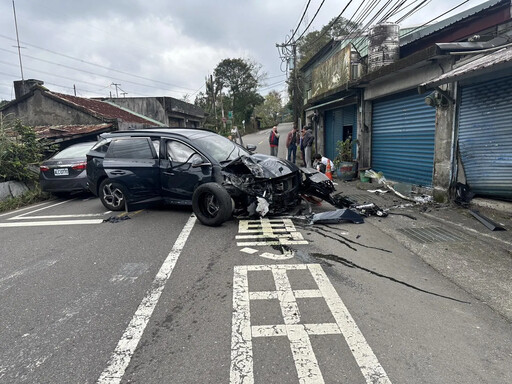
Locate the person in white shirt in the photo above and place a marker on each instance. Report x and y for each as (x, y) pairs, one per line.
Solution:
(320, 163)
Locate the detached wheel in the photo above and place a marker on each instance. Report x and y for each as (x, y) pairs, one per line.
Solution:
(112, 195)
(212, 204)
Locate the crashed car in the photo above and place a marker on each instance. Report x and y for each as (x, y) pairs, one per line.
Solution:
(218, 177)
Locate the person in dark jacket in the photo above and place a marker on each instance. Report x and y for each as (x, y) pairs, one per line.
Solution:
(291, 143)
(273, 140)
(307, 142)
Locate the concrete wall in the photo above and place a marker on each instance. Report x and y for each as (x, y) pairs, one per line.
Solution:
(399, 82)
(147, 106)
(41, 110)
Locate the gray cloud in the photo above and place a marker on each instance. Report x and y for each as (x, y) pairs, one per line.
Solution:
(168, 46)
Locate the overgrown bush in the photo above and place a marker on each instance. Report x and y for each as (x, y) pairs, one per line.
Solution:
(20, 153)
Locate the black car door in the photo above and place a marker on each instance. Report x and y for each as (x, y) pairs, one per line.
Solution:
(133, 162)
(182, 170)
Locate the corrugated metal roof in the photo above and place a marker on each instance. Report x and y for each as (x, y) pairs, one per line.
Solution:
(487, 62)
(428, 30)
(66, 131)
(105, 110)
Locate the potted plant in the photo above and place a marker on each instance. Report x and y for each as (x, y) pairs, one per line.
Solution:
(344, 163)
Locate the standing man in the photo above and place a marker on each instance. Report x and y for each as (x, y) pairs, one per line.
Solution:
(291, 144)
(274, 141)
(308, 143)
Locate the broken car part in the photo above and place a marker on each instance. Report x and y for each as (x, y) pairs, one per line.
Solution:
(486, 221)
(337, 216)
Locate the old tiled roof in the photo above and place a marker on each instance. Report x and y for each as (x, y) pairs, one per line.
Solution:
(68, 131)
(102, 109)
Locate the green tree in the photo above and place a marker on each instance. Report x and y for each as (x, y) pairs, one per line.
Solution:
(270, 111)
(20, 152)
(240, 79)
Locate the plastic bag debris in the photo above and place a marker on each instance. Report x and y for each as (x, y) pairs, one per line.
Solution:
(262, 207)
(337, 216)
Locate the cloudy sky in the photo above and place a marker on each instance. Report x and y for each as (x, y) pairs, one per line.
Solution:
(159, 47)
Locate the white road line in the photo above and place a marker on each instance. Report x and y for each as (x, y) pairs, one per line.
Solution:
(367, 361)
(40, 209)
(61, 216)
(241, 339)
(48, 223)
(298, 334)
(126, 347)
(22, 209)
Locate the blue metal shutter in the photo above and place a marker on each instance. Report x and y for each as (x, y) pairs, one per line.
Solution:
(350, 118)
(333, 131)
(335, 120)
(403, 133)
(485, 137)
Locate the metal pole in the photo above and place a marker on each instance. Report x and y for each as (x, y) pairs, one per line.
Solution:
(18, 40)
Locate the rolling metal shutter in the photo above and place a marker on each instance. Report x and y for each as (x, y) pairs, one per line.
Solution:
(333, 131)
(485, 137)
(403, 133)
(335, 120)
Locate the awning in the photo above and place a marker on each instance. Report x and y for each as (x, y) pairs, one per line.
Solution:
(328, 103)
(500, 59)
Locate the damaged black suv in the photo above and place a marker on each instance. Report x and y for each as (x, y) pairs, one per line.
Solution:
(218, 177)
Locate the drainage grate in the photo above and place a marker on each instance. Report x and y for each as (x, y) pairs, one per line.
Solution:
(430, 235)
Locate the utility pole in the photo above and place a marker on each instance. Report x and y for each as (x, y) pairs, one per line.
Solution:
(74, 88)
(286, 55)
(116, 85)
(17, 39)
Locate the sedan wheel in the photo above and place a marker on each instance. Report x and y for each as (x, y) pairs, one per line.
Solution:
(112, 195)
(212, 204)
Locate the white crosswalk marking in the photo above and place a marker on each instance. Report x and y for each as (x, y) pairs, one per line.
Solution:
(298, 334)
(268, 232)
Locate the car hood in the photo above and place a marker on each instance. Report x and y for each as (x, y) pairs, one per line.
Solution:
(264, 166)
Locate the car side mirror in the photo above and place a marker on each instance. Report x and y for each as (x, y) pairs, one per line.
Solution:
(251, 147)
(197, 161)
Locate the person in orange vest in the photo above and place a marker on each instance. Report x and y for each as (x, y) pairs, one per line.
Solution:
(324, 165)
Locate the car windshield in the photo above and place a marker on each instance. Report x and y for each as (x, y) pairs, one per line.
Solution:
(79, 150)
(221, 148)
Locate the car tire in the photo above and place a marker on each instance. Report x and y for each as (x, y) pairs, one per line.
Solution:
(112, 195)
(212, 204)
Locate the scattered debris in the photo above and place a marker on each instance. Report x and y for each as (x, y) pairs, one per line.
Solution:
(382, 180)
(364, 209)
(337, 216)
(402, 214)
(463, 195)
(378, 191)
(116, 219)
(370, 209)
(486, 221)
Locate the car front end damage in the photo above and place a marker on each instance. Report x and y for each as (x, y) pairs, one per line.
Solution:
(262, 184)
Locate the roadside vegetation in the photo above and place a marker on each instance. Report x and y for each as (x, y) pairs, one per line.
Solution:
(20, 155)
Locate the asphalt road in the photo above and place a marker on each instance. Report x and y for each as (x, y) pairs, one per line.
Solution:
(160, 298)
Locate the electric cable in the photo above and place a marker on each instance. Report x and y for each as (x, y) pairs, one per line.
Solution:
(93, 64)
(298, 24)
(92, 73)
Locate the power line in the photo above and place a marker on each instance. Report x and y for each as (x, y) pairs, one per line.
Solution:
(298, 25)
(90, 73)
(94, 64)
(313, 19)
